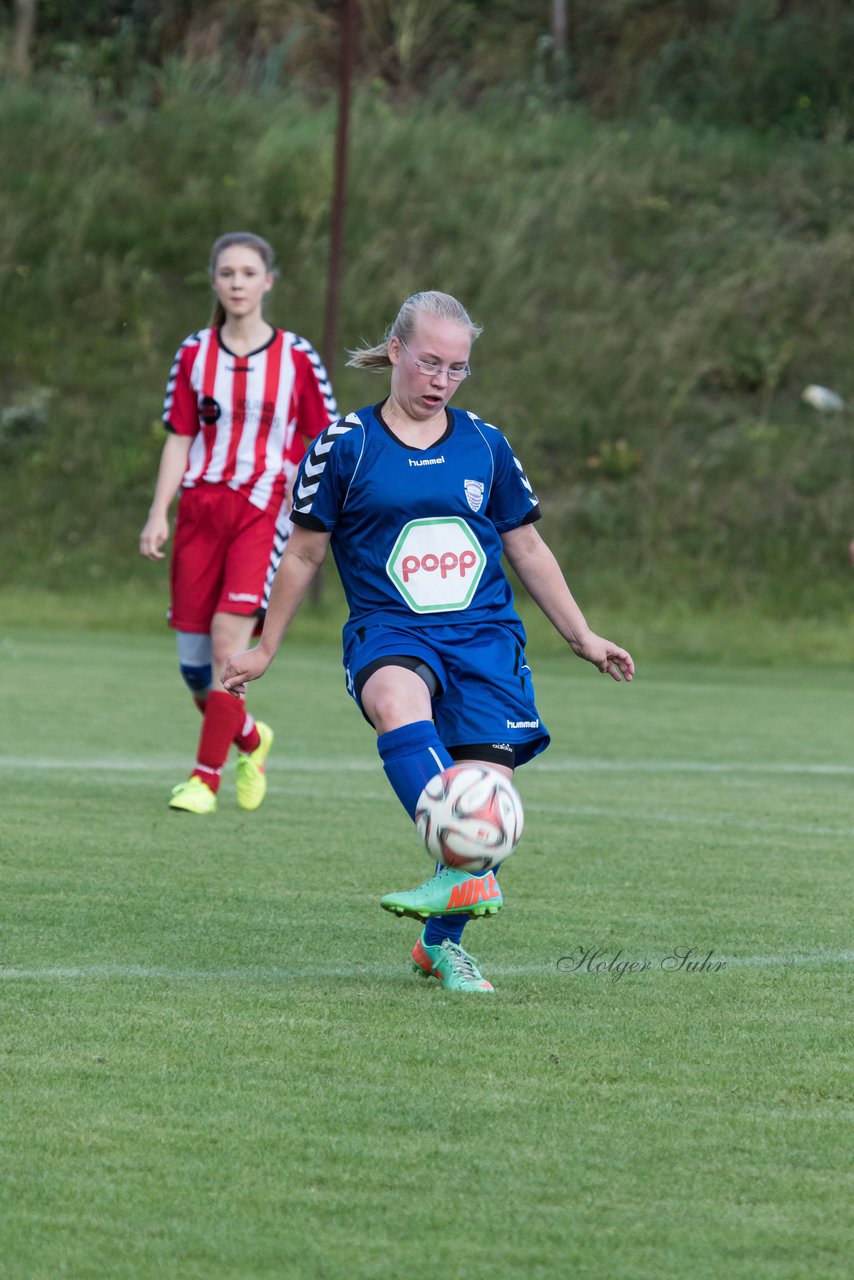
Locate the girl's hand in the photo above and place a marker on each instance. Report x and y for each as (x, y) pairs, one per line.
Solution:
(608, 657)
(153, 536)
(243, 667)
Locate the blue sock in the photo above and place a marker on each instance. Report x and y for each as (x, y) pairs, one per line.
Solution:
(411, 756)
(438, 928)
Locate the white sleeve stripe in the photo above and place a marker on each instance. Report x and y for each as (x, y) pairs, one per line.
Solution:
(488, 450)
(355, 469)
(524, 479)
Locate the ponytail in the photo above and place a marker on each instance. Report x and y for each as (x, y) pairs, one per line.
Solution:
(431, 302)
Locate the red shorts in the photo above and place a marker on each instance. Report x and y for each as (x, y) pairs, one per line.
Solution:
(220, 556)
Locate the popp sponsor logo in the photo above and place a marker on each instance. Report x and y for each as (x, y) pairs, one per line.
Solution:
(436, 564)
(447, 562)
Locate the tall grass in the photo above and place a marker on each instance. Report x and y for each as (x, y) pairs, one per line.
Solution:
(655, 298)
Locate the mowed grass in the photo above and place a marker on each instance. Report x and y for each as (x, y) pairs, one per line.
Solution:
(216, 1062)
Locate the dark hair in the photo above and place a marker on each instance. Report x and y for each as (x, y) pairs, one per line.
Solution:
(432, 303)
(227, 241)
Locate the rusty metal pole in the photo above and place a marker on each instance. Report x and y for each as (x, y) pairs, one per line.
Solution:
(559, 26)
(347, 23)
(560, 47)
(24, 33)
(339, 193)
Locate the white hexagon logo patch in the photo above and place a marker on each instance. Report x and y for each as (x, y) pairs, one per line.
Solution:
(436, 564)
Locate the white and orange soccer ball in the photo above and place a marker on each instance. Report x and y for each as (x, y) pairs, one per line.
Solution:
(470, 817)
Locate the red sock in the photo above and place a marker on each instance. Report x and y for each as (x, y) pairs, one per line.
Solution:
(224, 716)
(248, 739)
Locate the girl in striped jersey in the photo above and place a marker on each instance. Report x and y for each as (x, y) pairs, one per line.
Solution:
(243, 399)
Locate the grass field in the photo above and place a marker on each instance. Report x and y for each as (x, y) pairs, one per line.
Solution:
(216, 1063)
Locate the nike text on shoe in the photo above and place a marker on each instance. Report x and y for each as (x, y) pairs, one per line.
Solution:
(251, 778)
(448, 893)
(193, 796)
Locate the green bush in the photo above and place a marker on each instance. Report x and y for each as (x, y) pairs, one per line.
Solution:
(763, 64)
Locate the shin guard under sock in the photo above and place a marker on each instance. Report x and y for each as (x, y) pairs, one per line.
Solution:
(411, 756)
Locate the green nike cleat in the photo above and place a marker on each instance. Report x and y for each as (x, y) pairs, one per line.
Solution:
(193, 796)
(454, 967)
(448, 893)
(251, 778)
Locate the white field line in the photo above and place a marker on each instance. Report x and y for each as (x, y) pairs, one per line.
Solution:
(709, 822)
(132, 772)
(570, 765)
(370, 764)
(168, 764)
(296, 973)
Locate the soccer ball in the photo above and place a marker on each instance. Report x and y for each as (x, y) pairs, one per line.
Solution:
(470, 817)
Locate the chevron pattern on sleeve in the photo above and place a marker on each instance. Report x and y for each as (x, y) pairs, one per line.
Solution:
(315, 461)
(532, 497)
(193, 340)
(280, 541)
(323, 379)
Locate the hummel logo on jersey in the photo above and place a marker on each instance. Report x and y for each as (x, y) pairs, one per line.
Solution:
(425, 462)
(523, 724)
(474, 493)
(241, 597)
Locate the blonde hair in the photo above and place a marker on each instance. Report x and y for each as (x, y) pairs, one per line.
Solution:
(431, 303)
(228, 241)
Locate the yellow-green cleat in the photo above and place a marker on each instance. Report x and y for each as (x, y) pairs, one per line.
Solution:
(454, 967)
(193, 796)
(251, 778)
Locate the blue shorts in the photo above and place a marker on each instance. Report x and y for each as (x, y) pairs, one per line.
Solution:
(485, 695)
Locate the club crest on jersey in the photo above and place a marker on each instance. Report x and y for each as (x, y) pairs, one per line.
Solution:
(474, 493)
(209, 410)
(436, 564)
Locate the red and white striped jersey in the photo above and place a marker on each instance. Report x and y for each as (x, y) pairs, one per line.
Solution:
(249, 416)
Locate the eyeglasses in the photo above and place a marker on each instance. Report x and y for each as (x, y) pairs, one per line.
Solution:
(433, 370)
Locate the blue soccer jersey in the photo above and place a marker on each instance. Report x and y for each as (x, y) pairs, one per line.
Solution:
(416, 534)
